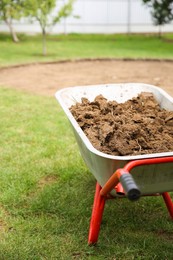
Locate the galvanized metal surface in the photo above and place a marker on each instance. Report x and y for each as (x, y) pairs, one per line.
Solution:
(150, 179)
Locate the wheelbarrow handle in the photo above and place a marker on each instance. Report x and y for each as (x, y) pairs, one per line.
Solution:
(130, 187)
(128, 183)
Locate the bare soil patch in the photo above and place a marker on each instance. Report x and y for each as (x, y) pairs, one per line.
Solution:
(47, 180)
(46, 79)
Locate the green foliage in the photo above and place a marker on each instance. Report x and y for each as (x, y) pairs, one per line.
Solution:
(162, 11)
(65, 11)
(42, 11)
(9, 10)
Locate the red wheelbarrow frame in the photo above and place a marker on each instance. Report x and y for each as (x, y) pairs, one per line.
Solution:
(117, 179)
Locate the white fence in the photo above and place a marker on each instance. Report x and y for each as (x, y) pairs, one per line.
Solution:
(100, 16)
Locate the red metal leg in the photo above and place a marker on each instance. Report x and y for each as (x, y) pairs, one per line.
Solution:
(168, 202)
(96, 217)
(102, 193)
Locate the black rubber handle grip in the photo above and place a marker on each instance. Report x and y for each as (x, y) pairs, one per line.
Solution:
(131, 189)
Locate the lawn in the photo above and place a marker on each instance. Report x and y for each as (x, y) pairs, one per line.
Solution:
(46, 189)
(75, 46)
(47, 193)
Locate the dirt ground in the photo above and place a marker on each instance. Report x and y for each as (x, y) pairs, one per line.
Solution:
(46, 79)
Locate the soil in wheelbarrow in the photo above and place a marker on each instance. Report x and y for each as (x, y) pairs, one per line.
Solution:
(138, 126)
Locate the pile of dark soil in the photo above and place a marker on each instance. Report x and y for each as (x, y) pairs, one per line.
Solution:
(138, 126)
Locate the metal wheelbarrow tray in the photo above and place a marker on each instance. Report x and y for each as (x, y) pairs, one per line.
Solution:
(152, 173)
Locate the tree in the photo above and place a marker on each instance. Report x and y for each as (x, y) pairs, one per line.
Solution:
(162, 11)
(42, 11)
(9, 10)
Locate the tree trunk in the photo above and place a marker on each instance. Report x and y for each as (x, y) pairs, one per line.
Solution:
(160, 31)
(12, 32)
(44, 41)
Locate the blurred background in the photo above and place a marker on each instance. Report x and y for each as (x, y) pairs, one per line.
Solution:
(97, 16)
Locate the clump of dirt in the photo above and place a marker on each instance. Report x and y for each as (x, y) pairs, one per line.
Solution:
(138, 126)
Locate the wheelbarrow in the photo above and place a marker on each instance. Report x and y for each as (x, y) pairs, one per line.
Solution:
(120, 176)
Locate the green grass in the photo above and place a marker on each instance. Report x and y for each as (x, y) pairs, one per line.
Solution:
(73, 46)
(47, 193)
